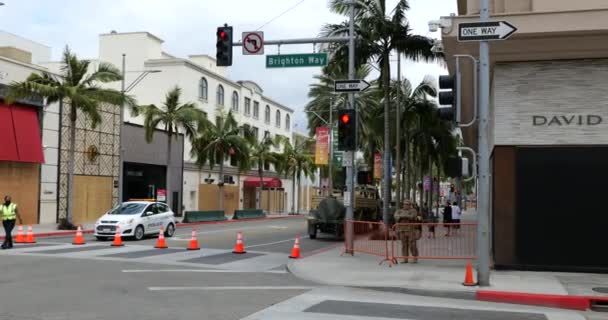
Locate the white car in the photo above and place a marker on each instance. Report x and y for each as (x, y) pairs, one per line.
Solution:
(136, 219)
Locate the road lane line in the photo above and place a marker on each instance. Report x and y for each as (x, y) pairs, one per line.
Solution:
(201, 271)
(219, 231)
(271, 243)
(229, 288)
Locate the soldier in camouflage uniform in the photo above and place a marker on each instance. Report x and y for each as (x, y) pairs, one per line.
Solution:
(408, 234)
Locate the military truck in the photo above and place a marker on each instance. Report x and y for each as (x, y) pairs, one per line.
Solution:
(328, 212)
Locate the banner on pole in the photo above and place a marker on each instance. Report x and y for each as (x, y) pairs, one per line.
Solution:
(322, 145)
(427, 183)
(377, 166)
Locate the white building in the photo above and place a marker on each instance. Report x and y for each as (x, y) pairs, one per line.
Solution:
(29, 135)
(209, 87)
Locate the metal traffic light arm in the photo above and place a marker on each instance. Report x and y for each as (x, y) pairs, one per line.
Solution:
(458, 94)
(474, 175)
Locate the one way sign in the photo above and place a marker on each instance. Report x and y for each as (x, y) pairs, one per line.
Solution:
(483, 31)
(350, 85)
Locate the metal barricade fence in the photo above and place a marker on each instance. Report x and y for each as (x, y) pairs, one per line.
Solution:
(455, 241)
(369, 238)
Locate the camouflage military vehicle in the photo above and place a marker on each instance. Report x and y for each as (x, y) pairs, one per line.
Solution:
(328, 212)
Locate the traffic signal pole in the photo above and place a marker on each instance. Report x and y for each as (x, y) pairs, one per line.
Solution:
(349, 195)
(350, 180)
(483, 197)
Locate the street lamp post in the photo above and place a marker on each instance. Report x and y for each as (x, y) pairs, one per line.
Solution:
(124, 89)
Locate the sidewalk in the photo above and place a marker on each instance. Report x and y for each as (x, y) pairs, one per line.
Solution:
(442, 278)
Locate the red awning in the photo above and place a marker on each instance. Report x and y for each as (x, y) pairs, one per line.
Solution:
(254, 182)
(20, 134)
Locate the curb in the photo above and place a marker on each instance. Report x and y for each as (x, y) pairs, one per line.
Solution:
(178, 225)
(581, 303)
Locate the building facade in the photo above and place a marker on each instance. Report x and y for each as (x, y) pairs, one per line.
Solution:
(29, 135)
(548, 124)
(214, 93)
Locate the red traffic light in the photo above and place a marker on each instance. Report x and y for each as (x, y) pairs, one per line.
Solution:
(222, 35)
(345, 118)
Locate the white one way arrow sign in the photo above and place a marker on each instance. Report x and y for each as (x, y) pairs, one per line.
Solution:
(350, 85)
(483, 31)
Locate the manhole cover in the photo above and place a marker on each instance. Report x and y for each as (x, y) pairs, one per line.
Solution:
(601, 290)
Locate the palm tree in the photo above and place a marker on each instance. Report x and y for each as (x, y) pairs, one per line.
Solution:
(296, 160)
(216, 143)
(379, 35)
(260, 153)
(78, 87)
(172, 116)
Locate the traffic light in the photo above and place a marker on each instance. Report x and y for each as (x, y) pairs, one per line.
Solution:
(347, 130)
(365, 177)
(449, 98)
(457, 167)
(224, 46)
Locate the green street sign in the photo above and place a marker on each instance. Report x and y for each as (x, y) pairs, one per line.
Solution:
(296, 60)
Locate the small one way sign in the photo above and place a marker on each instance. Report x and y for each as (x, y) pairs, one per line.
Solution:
(484, 31)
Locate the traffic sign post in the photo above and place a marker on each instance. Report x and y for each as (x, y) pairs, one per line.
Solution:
(253, 42)
(350, 85)
(484, 31)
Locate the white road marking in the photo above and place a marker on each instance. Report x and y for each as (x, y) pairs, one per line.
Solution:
(230, 288)
(200, 271)
(188, 234)
(271, 243)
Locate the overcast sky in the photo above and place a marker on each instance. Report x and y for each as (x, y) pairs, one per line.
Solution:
(188, 27)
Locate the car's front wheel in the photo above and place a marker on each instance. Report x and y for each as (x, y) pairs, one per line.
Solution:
(139, 233)
(170, 230)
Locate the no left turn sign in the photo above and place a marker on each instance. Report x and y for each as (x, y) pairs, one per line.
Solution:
(253, 42)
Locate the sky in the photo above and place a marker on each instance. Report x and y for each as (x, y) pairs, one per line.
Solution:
(188, 27)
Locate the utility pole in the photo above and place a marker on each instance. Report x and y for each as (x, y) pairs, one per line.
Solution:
(350, 180)
(398, 134)
(483, 198)
(121, 149)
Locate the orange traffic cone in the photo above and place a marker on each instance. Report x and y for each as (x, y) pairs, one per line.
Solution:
(468, 276)
(20, 238)
(78, 239)
(239, 248)
(295, 252)
(117, 238)
(29, 237)
(193, 241)
(160, 243)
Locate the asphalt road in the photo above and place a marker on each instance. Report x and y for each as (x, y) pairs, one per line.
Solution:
(56, 280)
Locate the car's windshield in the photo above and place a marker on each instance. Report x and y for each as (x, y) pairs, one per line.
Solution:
(128, 208)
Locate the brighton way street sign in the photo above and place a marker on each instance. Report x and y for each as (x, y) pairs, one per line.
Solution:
(484, 31)
(296, 60)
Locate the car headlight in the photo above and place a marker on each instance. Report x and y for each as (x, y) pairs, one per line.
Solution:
(128, 222)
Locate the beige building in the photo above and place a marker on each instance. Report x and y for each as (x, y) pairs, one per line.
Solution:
(548, 129)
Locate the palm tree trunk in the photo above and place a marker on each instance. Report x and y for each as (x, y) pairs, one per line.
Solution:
(407, 165)
(431, 185)
(293, 193)
(70, 199)
(387, 144)
(261, 173)
(221, 185)
(398, 135)
(421, 189)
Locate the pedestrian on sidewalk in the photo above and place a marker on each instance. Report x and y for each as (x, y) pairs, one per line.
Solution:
(456, 212)
(447, 217)
(408, 234)
(9, 214)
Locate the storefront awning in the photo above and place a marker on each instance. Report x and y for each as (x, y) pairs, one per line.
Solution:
(20, 134)
(254, 182)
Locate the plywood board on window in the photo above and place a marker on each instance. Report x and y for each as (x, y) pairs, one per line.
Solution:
(21, 180)
(92, 197)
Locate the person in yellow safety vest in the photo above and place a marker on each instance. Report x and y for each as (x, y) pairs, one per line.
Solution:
(9, 213)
